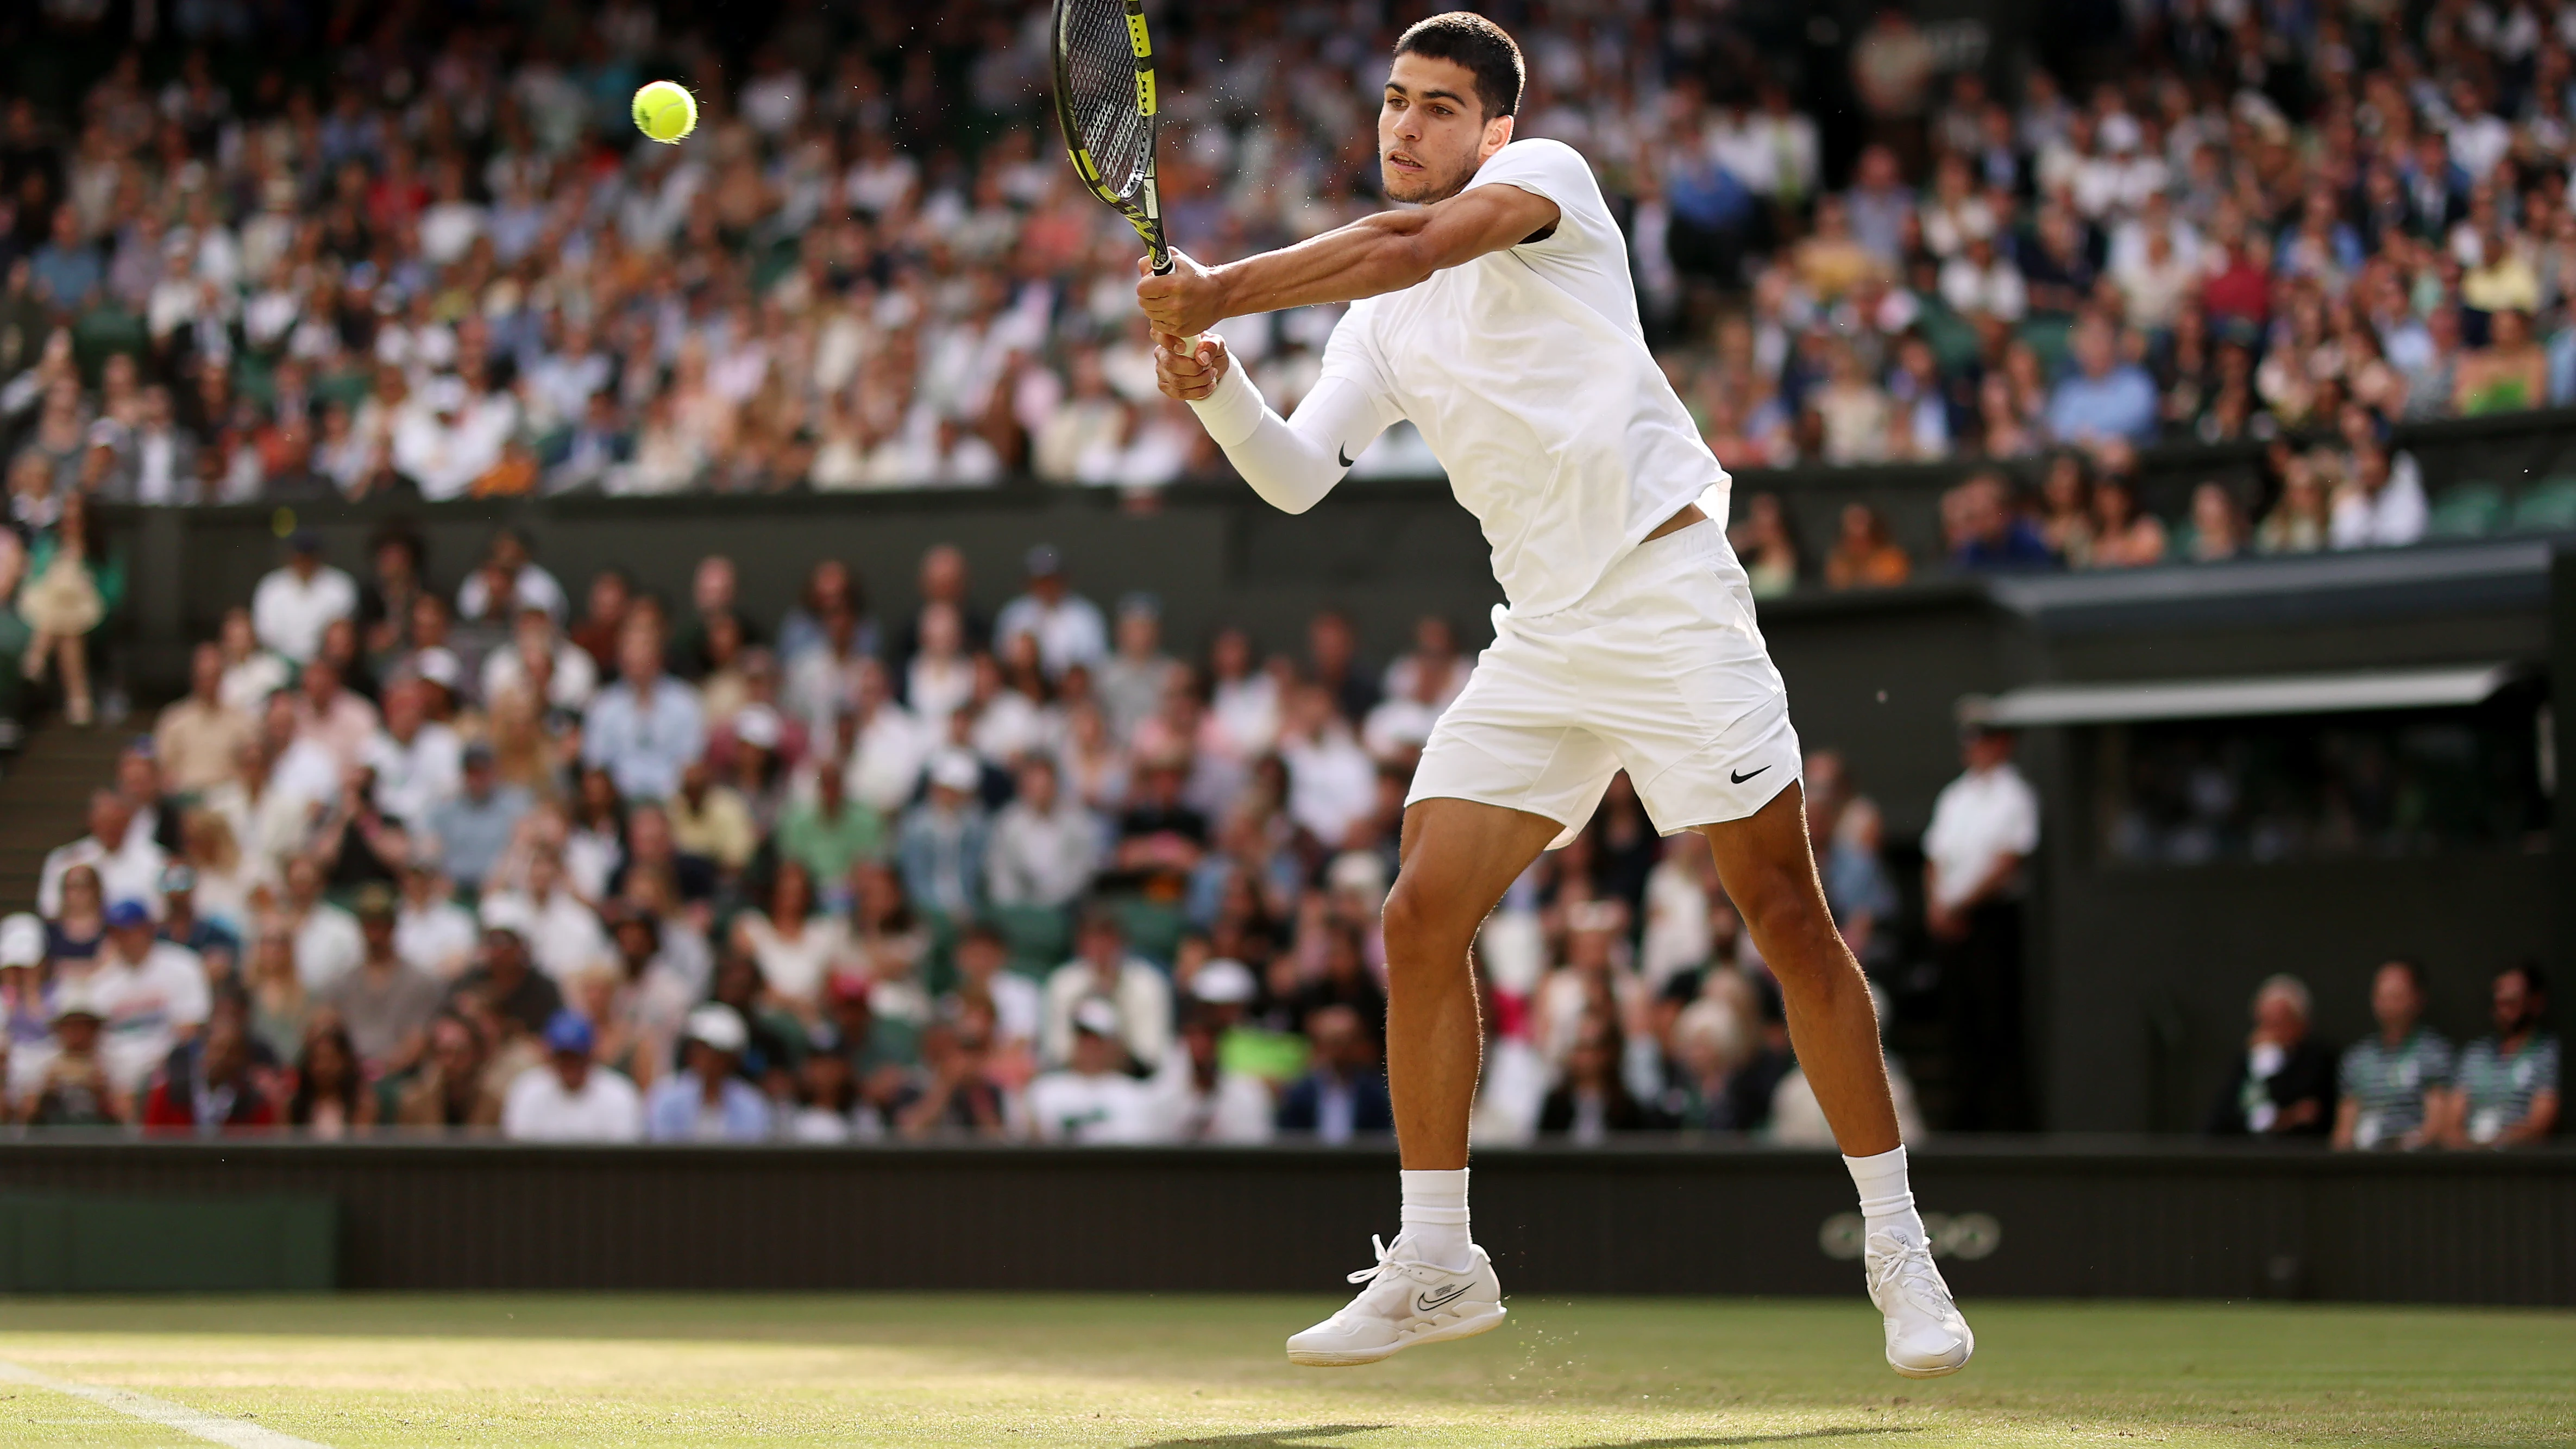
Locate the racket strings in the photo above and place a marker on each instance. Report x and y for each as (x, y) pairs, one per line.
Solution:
(1100, 85)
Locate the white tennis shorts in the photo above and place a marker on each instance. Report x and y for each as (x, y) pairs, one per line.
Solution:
(1659, 671)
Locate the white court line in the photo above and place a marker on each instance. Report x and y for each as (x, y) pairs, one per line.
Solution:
(213, 1428)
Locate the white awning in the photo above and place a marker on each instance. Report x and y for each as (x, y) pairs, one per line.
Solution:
(2085, 704)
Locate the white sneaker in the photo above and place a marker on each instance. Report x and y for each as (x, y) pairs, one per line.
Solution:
(1926, 1336)
(1407, 1301)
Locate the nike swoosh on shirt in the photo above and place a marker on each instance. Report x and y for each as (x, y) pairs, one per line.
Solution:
(1425, 1303)
(1343, 452)
(1747, 775)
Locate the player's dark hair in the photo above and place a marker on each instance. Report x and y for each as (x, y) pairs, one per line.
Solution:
(1481, 46)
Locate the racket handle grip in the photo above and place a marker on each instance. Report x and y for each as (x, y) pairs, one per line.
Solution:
(1163, 268)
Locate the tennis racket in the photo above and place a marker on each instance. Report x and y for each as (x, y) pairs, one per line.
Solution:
(1105, 100)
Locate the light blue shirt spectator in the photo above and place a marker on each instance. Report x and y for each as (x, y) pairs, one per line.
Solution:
(2103, 397)
(473, 828)
(678, 1111)
(644, 733)
(66, 271)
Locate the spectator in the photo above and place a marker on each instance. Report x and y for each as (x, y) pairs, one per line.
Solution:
(1985, 824)
(337, 720)
(706, 1101)
(562, 932)
(128, 865)
(2104, 398)
(2123, 537)
(432, 933)
(197, 739)
(1131, 683)
(645, 728)
(795, 948)
(504, 977)
(570, 1098)
(1103, 970)
(2507, 1091)
(67, 589)
(1093, 1098)
(1984, 531)
(449, 1088)
(831, 832)
(150, 993)
(294, 604)
(71, 1085)
(328, 943)
(208, 1088)
(1590, 1101)
(710, 820)
(1766, 546)
(2377, 507)
(252, 671)
(329, 1099)
(957, 1095)
(943, 841)
(1045, 846)
(1864, 556)
(386, 1003)
(2285, 1084)
(419, 763)
(2396, 1082)
(1067, 626)
(1344, 1096)
(476, 825)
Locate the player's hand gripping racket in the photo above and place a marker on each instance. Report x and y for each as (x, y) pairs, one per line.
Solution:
(1106, 102)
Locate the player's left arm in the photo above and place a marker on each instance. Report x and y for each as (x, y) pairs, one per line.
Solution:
(1387, 252)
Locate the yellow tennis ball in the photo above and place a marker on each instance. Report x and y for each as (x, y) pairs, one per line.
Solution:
(665, 111)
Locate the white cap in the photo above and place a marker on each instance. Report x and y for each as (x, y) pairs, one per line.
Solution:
(719, 1026)
(757, 725)
(1357, 870)
(441, 667)
(1224, 982)
(22, 941)
(955, 770)
(508, 913)
(1097, 1017)
(73, 997)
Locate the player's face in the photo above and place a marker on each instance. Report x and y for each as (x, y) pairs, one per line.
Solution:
(1432, 133)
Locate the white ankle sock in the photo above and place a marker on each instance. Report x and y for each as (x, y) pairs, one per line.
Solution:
(1886, 1203)
(1435, 1215)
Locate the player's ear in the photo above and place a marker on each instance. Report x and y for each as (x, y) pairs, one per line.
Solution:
(1498, 134)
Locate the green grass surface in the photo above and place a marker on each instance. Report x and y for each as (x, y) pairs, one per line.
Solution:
(1140, 1371)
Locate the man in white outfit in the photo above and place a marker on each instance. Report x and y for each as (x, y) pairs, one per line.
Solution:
(1497, 314)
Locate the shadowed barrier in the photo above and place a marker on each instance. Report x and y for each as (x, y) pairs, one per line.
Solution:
(2036, 1218)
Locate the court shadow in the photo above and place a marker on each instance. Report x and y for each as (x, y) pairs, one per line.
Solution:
(1267, 1438)
(1707, 1441)
(1299, 1438)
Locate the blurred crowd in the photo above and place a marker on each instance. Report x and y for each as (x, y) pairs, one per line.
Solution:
(2405, 1086)
(293, 252)
(610, 864)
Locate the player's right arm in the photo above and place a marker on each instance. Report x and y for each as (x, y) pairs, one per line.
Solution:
(1291, 462)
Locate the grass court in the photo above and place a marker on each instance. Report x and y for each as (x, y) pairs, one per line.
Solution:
(1140, 1371)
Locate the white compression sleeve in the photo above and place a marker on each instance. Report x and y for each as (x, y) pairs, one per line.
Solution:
(1291, 462)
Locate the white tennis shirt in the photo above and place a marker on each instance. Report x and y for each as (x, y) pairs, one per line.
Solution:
(1527, 372)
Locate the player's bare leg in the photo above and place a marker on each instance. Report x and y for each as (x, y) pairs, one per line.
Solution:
(1765, 864)
(1432, 1284)
(1457, 857)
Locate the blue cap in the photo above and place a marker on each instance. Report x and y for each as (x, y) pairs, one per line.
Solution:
(569, 1031)
(128, 913)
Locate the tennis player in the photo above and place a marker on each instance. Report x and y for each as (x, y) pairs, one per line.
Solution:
(1496, 312)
